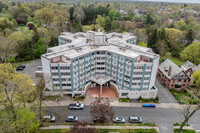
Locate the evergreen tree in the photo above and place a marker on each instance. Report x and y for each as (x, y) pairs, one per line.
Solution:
(189, 37)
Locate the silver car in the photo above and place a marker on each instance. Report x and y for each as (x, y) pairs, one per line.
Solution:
(71, 119)
(49, 118)
(135, 119)
(119, 120)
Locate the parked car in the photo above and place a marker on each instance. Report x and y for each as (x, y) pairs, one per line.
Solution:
(23, 66)
(135, 119)
(19, 68)
(49, 118)
(76, 106)
(119, 120)
(98, 120)
(71, 119)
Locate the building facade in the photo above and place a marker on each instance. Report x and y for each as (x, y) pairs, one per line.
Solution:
(82, 57)
(172, 76)
(190, 68)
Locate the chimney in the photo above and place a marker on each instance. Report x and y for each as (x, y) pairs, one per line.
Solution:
(170, 70)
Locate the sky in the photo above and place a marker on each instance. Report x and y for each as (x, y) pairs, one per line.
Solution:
(173, 1)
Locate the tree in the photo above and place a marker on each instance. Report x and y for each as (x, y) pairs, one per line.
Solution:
(82, 127)
(142, 44)
(181, 25)
(44, 16)
(30, 25)
(15, 87)
(103, 111)
(189, 111)
(78, 14)
(189, 37)
(192, 53)
(101, 20)
(149, 19)
(7, 47)
(111, 14)
(39, 49)
(26, 121)
(161, 47)
(196, 77)
(108, 24)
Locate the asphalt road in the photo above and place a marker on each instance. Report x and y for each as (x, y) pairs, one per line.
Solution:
(164, 94)
(165, 118)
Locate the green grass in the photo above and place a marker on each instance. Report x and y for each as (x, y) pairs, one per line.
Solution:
(20, 63)
(54, 131)
(179, 124)
(177, 61)
(128, 130)
(181, 97)
(52, 98)
(185, 131)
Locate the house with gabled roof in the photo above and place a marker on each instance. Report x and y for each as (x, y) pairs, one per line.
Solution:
(172, 75)
(190, 68)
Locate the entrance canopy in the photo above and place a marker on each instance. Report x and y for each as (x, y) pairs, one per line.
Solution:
(100, 79)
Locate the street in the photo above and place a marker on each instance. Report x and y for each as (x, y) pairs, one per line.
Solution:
(165, 118)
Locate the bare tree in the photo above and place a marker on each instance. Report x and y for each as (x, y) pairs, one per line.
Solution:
(189, 111)
(102, 111)
(82, 127)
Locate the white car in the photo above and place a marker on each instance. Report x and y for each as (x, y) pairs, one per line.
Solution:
(49, 118)
(76, 106)
(119, 120)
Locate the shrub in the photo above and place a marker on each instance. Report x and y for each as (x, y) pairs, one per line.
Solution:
(124, 100)
(30, 25)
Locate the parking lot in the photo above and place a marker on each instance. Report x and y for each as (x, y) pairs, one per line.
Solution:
(31, 68)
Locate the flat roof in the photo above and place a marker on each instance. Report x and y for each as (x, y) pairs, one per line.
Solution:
(100, 79)
(116, 44)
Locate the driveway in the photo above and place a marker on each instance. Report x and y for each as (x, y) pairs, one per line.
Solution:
(164, 94)
(30, 69)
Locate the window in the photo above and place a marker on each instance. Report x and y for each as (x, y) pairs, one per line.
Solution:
(64, 67)
(54, 68)
(124, 94)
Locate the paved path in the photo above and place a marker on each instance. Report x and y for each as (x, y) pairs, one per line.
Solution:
(164, 94)
(113, 103)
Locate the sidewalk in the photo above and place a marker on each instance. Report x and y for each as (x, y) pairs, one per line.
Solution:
(114, 103)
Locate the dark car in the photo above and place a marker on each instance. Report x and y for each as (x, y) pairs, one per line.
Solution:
(19, 68)
(71, 119)
(23, 66)
(135, 119)
(98, 120)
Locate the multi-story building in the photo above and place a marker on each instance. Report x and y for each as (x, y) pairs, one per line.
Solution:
(85, 60)
(172, 75)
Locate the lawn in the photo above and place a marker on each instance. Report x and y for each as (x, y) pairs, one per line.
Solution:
(177, 61)
(183, 97)
(185, 131)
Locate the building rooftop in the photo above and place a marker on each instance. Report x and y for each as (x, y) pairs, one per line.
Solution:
(116, 43)
(165, 68)
(187, 65)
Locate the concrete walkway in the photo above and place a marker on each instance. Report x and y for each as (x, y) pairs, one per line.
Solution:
(113, 103)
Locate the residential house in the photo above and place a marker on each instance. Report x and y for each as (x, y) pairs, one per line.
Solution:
(190, 68)
(172, 75)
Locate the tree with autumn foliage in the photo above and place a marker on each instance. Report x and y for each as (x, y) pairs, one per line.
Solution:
(82, 127)
(101, 110)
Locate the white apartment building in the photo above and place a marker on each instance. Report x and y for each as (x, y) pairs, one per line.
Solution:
(86, 60)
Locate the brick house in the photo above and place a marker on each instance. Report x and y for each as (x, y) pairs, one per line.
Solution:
(190, 68)
(172, 75)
